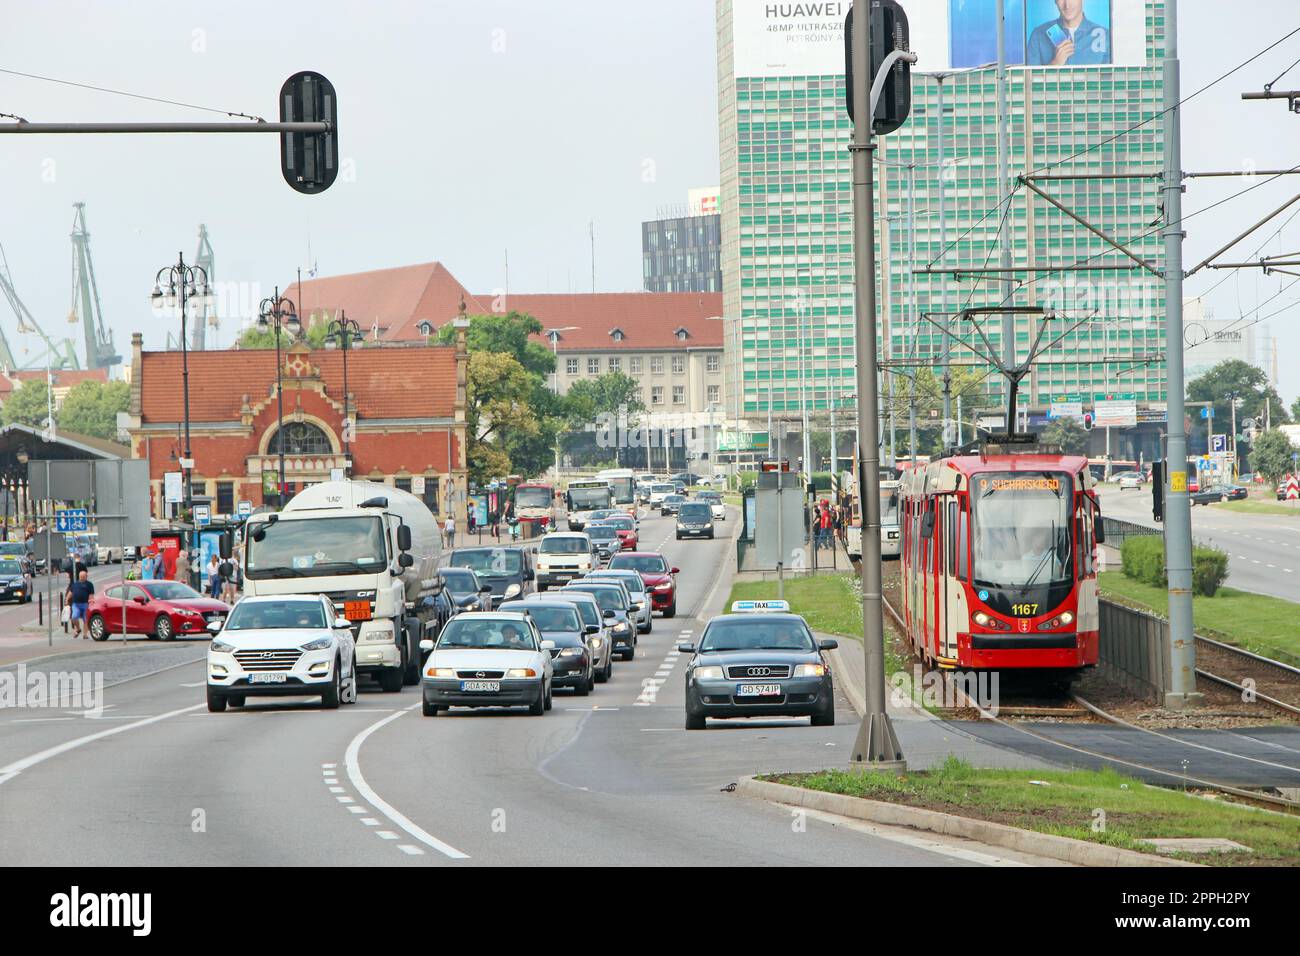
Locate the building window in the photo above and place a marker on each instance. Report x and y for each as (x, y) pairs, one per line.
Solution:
(301, 438)
(679, 394)
(657, 364)
(715, 394)
(426, 327)
(617, 335)
(225, 498)
(571, 366)
(634, 365)
(712, 363)
(431, 493)
(679, 364)
(402, 484)
(656, 395)
(615, 363)
(593, 366)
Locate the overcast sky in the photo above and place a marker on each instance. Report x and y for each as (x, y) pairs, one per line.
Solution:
(469, 129)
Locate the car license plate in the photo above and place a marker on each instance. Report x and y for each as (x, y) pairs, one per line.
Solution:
(758, 690)
(480, 686)
(267, 678)
(356, 610)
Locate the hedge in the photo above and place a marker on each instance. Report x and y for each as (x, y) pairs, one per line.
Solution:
(1143, 559)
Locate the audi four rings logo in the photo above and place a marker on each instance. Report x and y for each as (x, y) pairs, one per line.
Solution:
(759, 671)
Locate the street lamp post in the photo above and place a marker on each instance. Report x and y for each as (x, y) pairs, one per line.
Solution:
(344, 333)
(183, 284)
(278, 312)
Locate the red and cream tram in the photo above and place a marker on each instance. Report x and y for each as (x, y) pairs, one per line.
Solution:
(998, 561)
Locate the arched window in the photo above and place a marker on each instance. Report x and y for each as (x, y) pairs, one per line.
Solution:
(301, 438)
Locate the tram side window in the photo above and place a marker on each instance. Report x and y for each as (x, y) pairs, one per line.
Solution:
(950, 528)
(962, 531)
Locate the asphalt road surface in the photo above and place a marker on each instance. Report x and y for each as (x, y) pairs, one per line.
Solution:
(1263, 550)
(608, 779)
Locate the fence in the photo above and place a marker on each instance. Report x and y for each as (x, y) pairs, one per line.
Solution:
(1118, 531)
(1133, 650)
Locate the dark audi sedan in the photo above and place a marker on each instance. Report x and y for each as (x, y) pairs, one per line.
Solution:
(758, 661)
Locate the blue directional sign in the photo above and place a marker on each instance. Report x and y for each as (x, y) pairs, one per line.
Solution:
(1207, 411)
(72, 519)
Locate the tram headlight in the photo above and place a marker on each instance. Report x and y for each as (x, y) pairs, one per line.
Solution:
(989, 621)
(1064, 619)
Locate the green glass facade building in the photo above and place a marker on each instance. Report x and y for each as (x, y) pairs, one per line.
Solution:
(787, 225)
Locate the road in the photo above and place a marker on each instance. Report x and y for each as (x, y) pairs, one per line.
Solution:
(1263, 551)
(608, 779)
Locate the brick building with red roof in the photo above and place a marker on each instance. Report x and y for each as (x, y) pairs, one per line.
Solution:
(407, 405)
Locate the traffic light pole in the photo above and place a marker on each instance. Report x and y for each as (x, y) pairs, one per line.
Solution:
(877, 745)
(1178, 515)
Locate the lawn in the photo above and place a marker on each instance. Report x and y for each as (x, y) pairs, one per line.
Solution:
(1071, 803)
(830, 602)
(1265, 625)
(1289, 508)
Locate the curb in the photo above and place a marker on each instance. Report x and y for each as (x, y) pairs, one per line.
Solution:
(850, 687)
(1066, 849)
(81, 651)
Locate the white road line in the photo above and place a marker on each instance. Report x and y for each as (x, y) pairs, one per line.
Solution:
(351, 761)
(357, 810)
(370, 821)
(328, 766)
(197, 683)
(410, 850)
(340, 789)
(12, 770)
(386, 834)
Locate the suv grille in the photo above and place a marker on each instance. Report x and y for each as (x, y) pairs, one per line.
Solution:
(747, 671)
(269, 660)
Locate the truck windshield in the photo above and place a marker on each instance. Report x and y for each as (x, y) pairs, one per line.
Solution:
(1021, 528)
(589, 499)
(532, 498)
(307, 547)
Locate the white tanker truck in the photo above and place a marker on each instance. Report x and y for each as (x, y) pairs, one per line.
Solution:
(372, 549)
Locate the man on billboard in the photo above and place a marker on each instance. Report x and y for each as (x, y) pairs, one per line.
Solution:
(1071, 38)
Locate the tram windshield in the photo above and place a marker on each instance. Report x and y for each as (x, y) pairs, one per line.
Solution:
(1021, 528)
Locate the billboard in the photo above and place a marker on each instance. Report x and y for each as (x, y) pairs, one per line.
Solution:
(774, 38)
(1116, 413)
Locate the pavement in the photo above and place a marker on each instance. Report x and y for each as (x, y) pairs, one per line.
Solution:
(614, 778)
(1263, 550)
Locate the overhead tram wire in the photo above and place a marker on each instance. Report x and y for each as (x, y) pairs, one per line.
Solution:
(1155, 116)
(137, 96)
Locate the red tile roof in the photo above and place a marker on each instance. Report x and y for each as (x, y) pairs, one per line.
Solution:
(397, 300)
(649, 320)
(394, 383)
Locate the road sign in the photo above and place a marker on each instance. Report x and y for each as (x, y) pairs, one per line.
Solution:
(1207, 411)
(309, 161)
(1218, 443)
(72, 519)
(173, 492)
(417, 486)
(202, 516)
(244, 508)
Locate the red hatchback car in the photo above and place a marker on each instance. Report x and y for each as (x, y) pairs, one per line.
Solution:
(657, 573)
(625, 528)
(162, 609)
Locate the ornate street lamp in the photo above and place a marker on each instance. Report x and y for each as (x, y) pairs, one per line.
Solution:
(183, 285)
(279, 313)
(344, 333)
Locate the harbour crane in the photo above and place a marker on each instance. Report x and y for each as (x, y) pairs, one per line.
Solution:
(100, 350)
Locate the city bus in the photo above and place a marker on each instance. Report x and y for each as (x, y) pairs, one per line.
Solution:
(535, 504)
(622, 482)
(585, 495)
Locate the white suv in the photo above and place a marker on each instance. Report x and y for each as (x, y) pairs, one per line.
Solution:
(563, 556)
(283, 645)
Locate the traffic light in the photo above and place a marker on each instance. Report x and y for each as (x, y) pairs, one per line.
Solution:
(889, 32)
(1087, 420)
(309, 161)
(1158, 490)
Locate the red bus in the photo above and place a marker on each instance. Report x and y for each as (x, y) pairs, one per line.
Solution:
(998, 562)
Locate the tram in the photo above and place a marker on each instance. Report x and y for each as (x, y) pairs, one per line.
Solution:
(998, 560)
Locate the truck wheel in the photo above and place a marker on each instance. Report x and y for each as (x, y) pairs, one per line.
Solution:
(411, 673)
(390, 680)
(216, 703)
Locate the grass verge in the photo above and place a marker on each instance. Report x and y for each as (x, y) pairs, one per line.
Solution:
(1259, 623)
(1290, 509)
(1071, 803)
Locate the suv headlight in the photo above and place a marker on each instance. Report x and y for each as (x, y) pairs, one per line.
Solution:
(620, 626)
(810, 670)
(320, 644)
(708, 673)
(571, 652)
(221, 647)
(512, 590)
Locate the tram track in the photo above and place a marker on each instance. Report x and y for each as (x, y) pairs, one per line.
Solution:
(1083, 709)
(1271, 682)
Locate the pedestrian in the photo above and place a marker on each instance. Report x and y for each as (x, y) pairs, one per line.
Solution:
(78, 597)
(227, 572)
(213, 571)
(449, 532)
(183, 566)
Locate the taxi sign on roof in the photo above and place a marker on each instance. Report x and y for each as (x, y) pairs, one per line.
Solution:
(760, 607)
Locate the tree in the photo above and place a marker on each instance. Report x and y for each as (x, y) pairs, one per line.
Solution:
(499, 395)
(1069, 433)
(613, 393)
(254, 338)
(1271, 455)
(91, 408)
(508, 333)
(28, 404)
(1248, 383)
(1295, 409)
